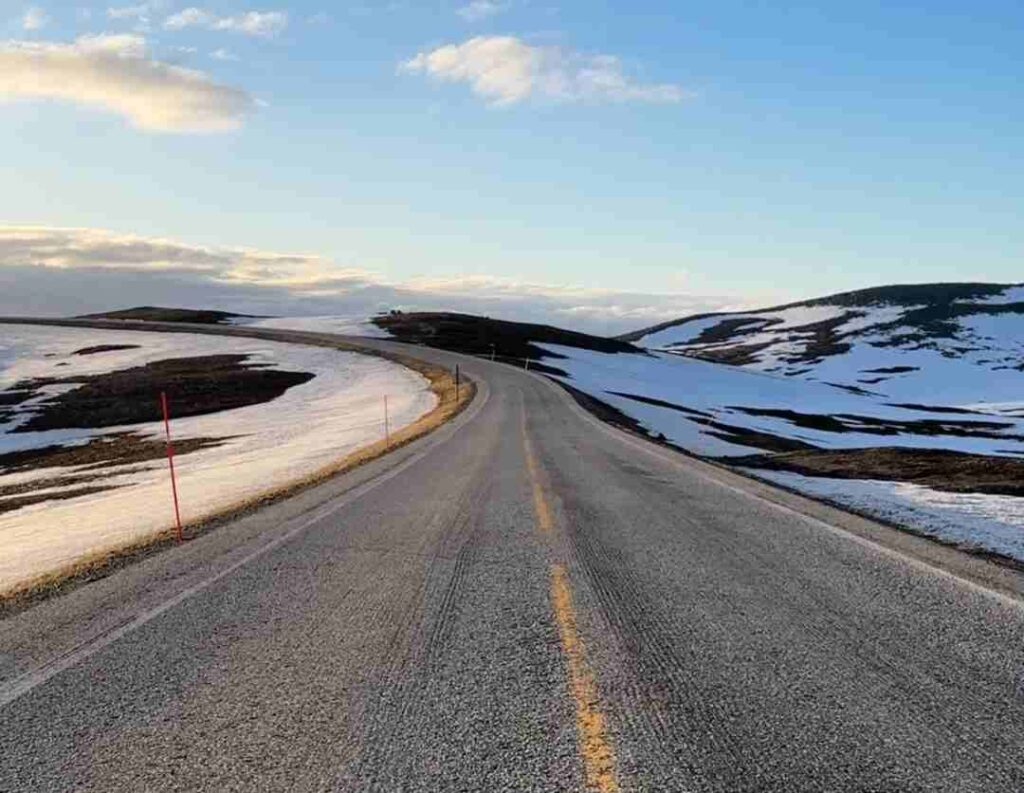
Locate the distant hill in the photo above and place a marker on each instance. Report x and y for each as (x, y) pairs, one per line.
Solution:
(507, 341)
(162, 314)
(963, 340)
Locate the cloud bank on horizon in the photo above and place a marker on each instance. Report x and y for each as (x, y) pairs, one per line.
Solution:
(61, 271)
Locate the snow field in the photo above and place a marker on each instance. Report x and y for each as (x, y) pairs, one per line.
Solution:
(275, 443)
(993, 523)
(345, 325)
(972, 520)
(719, 390)
(979, 363)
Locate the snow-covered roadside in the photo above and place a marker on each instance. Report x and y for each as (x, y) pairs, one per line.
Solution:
(705, 408)
(751, 401)
(971, 520)
(281, 441)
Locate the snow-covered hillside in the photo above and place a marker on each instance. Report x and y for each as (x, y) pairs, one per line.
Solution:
(749, 417)
(955, 345)
(724, 411)
(80, 497)
(905, 402)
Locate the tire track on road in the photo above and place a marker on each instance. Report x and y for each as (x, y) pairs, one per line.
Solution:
(595, 747)
(423, 622)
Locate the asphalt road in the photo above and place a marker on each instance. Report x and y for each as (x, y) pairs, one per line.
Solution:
(526, 600)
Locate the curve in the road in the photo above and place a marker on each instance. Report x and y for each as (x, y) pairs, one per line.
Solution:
(529, 600)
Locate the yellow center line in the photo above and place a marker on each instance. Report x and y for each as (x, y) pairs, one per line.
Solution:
(594, 745)
(540, 503)
(598, 756)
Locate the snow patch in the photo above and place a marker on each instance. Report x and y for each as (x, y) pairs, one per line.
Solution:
(973, 520)
(284, 440)
(959, 356)
(724, 394)
(1015, 294)
(712, 410)
(344, 325)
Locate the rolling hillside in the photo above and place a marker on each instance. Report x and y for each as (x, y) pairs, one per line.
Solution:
(957, 345)
(905, 403)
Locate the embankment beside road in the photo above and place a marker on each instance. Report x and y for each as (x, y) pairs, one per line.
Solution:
(101, 561)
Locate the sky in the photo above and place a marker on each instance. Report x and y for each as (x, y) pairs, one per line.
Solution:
(598, 165)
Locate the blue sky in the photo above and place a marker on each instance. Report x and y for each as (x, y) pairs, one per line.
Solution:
(704, 156)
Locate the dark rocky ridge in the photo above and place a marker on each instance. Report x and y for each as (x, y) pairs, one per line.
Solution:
(513, 342)
(163, 314)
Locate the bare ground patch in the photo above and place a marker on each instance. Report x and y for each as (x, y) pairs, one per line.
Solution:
(118, 448)
(873, 425)
(93, 462)
(100, 348)
(940, 469)
(196, 386)
(18, 502)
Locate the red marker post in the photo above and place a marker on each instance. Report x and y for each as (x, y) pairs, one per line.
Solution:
(170, 462)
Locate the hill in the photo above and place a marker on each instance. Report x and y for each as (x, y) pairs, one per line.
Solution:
(512, 342)
(163, 314)
(962, 343)
(905, 403)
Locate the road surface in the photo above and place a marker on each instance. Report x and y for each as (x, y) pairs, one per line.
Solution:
(526, 600)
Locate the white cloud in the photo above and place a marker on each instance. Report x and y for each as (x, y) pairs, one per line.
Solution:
(115, 73)
(480, 9)
(506, 70)
(129, 12)
(141, 14)
(251, 23)
(223, 55)
(47, 270)
(34, 19)
(189, 17)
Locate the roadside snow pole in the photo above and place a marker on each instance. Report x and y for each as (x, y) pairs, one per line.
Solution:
(492, 353)
(170, 463)
(527, 367)
(387, 428)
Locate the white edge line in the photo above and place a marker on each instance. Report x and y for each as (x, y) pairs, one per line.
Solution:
(27, 681)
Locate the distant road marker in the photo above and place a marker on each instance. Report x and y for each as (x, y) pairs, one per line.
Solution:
(170, 462)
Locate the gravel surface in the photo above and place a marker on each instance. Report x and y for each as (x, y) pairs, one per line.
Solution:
(392, 630)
